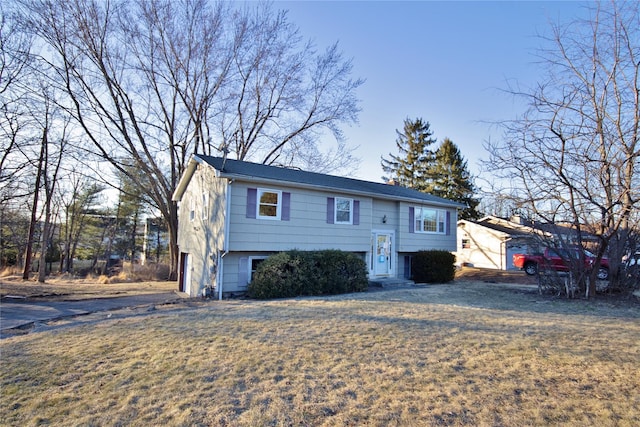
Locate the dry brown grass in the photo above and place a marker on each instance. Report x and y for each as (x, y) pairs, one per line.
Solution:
(439, 355)
(69, 288)
(130, 280)
(494, 276)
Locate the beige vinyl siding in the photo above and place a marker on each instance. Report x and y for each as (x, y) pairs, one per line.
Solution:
(382, 208)
(231, 273)
(307, 228)
(202, 236)
(231, 279)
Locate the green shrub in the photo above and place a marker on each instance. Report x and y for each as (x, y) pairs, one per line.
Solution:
(433, 266)
(296, 273)
(340, 272)
(279, 276)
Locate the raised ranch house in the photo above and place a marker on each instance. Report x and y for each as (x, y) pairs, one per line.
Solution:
(233, 214)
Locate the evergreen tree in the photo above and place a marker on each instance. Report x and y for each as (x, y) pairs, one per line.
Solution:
(448, 177)
(410, 166)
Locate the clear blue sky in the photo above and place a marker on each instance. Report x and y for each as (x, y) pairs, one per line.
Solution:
(445, 62)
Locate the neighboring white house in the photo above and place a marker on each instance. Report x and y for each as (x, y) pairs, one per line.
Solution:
(233, 214)
(491, 242)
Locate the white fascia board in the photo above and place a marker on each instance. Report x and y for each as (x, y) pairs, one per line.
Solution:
(185, 178)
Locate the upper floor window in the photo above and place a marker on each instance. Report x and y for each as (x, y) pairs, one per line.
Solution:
(343, 211)
(429, 220)
(263, 203)
(269, 204)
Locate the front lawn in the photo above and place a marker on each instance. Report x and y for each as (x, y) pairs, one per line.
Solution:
(410, 357)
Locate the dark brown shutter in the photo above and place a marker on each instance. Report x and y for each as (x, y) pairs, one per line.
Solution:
(286, 206)
(331, 204)
(356, 212)
(412, 220)
(252, 196)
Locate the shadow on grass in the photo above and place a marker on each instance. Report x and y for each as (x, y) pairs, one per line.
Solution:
(503, 297)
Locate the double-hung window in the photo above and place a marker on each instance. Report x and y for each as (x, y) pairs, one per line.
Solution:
(269, 204)
(429, 220)
(263, 203)
(344, 211)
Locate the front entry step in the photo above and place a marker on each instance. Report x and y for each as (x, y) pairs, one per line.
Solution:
(390, 283)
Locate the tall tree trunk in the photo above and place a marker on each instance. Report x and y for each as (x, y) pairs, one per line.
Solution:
(132, 241)
(172, 226)
(42, 266)
(34, 211)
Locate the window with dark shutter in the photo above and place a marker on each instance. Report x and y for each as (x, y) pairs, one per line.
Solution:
(429, 220)
(448, 223)
(252, 196)
(243, 271)
(286, 206)
(330, 209)
(356, 212)
(412, 220)
(341, 210)
(268, 204)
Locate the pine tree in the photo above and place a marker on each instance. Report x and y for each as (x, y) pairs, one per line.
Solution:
(448, 177)
(410, 166)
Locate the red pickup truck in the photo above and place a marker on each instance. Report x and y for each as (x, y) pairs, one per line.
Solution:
(555, 259)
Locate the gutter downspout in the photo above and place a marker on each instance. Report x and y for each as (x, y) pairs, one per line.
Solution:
(225, 243)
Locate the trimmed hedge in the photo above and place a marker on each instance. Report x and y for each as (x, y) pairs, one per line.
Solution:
(297, 273)
(433, 266)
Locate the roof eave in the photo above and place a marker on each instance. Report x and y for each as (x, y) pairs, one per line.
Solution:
(194, 161)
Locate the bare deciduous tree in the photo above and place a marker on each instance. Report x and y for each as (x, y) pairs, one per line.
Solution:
(52, 145)
(574, 155)
(14, 105)
(281, 95)
(155, 81)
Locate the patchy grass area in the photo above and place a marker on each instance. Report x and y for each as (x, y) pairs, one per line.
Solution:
(66, 287)
(494, 276)
(459, 354)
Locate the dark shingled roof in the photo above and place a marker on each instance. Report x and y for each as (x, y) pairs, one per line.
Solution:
(506, 227)
(238, 169)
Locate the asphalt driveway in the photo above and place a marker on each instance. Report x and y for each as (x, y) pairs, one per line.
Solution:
(17, 312)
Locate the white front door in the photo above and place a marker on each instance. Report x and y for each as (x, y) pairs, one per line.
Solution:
(382, 252)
